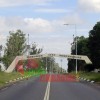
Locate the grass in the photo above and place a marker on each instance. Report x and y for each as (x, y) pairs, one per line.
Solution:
(35, 72)
(4, 77)
(90, 75)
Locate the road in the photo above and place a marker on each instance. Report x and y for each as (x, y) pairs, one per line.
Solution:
(37, 89)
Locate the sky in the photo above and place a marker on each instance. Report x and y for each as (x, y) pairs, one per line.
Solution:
(44, 21)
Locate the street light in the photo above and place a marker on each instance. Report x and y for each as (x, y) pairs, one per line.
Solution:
(61, 65)
(28, 46)
(75, 42)
(46, 66)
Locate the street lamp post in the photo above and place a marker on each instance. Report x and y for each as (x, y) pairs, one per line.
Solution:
(28, 46)
(50, 66)
(61, 65)
(75, 42)
(46, 66)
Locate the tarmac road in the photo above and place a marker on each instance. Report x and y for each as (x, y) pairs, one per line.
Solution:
(35, 89)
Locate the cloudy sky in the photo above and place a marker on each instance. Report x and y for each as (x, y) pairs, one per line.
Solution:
(44, 20)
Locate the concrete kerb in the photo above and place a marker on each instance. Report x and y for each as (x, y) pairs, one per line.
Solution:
(17, 79)
(88, 80)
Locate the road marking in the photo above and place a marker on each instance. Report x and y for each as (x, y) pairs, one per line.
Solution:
(47, 93)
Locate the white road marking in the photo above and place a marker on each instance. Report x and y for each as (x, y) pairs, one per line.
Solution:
(47, 93)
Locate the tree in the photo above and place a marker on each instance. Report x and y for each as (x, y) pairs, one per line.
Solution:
(94, 45)
(82, 49)
(32, 62)
(14, 46)
(71, 65)
(50, 61)
(0, 67)
(35, 50)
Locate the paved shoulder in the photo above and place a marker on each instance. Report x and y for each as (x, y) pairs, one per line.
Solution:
(73, 91)
(31, 89)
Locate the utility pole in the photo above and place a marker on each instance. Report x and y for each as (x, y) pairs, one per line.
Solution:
(75, 42)
(61, 65)
(28, 46)
(46, 66)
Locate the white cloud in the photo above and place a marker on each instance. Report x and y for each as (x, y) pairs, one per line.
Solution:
(90, 5)
(2, 39)
(50, 30)
(7, 3)
(55, 45)
(30, 25)
(45, 10)
(37, 25)
(73, 19)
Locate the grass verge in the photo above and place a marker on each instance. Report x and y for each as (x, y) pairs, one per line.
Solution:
(4, 77)
(90, 75)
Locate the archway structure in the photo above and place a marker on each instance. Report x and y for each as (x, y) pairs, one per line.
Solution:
(16, 60)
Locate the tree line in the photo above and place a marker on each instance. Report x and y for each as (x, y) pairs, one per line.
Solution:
(16, 45)
(89, 46)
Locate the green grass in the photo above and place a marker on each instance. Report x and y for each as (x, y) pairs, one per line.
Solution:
(35, 72)
(4, 77)
(90, 75)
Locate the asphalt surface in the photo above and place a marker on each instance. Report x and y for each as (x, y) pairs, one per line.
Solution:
(31, 89)
(73, 91)
(35, 89)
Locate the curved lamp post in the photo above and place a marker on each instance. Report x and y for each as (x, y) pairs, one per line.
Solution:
(75, 42)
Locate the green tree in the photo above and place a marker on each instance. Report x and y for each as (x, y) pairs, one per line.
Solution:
(94, 45)
(14, 46)
(35, 50)
(50, 61)
(71, 65)
(82, 49)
